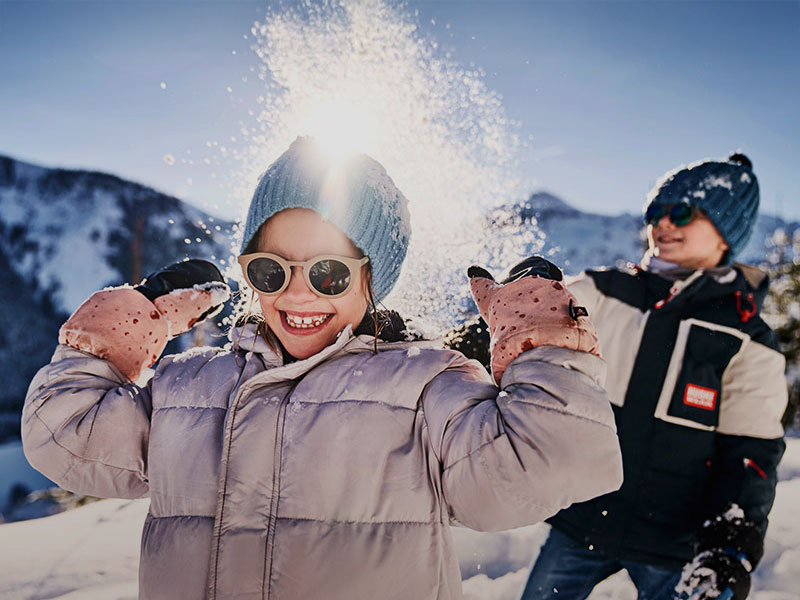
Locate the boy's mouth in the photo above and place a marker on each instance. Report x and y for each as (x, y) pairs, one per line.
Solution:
(304, 323)
(668, 239)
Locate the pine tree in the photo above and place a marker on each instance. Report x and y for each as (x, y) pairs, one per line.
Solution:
(782, 311)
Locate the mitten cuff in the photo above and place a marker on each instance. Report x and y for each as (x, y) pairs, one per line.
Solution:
(119, 325)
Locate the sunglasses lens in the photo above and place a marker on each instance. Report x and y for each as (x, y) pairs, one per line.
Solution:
(654, 214)
(330, 277)
(266, 275)
(681, 214)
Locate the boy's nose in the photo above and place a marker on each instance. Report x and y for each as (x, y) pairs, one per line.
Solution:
(665, 223)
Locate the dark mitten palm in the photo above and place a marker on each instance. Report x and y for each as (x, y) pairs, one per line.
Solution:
(714, 575)
(179, 275)
(534, 266)
(186, 292)
(731, 530)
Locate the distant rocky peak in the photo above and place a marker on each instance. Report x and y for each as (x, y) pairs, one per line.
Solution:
(545, 201)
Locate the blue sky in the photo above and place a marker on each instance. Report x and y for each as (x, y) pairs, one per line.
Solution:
(609, 94)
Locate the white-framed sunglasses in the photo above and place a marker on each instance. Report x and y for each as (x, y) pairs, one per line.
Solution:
(327, 275)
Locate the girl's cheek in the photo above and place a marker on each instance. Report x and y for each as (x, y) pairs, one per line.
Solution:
(352, 307)
(267, 305)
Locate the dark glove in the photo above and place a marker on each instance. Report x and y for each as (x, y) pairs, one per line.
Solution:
(130, 326)
(714, 575)
(530, 308)
(729, 547)
(186, 292)
(534, 266)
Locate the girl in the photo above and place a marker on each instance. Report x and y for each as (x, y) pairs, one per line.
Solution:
(315, 460)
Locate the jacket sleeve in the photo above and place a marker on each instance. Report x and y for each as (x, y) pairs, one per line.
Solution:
(517, 456)
(749, 441)
(586, 292)
(86, 428)
(746, 474)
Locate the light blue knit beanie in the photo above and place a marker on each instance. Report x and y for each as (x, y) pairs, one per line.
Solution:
(726, 191)
(354, 192)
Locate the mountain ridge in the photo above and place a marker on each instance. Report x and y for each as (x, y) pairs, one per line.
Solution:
(65, 233)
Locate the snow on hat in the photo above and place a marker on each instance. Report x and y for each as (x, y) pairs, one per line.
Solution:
(726, 191)
(354, 192)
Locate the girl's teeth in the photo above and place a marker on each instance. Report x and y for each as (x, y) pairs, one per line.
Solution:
(306, 322)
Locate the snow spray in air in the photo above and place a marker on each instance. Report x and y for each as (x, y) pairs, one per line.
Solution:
(360, 76)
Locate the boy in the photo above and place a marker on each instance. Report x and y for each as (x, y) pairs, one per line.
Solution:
(698, 387)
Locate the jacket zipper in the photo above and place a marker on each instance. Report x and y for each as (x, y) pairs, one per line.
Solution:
(276, 491)
(222, 485)
(678, 287)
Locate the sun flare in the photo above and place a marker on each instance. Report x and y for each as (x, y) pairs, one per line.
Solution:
(361, 77)
(341, 128)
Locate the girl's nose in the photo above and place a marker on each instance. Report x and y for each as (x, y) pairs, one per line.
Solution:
(298, 290)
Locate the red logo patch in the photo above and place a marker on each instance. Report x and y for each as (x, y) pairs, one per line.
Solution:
(700, 397)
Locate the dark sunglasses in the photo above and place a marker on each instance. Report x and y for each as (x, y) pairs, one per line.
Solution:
(329, 275)
(680, 214)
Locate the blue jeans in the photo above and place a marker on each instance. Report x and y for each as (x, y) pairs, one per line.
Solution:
(567, 570)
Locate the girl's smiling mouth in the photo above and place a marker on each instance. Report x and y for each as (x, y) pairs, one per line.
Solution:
(304, 323)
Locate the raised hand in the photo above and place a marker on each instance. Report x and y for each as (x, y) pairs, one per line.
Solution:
(530, 308)
(130, 326)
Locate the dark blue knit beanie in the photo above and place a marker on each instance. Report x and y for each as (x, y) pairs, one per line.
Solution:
(726, 191)
(353, 192)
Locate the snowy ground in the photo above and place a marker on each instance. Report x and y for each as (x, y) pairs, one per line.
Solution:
(91, 553)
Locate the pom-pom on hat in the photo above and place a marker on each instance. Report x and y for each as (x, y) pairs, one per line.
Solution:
(726, 191)
(354, 192)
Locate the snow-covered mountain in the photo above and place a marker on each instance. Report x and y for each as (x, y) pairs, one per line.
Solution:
(65, 234)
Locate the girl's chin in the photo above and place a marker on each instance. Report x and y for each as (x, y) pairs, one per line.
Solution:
(303, 342)
(302, 350)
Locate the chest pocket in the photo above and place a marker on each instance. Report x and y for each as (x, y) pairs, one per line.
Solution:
(693, 387)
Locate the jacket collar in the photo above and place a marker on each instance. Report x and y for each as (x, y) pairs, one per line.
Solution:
(248, 340)
(723, 274)
(717, 281)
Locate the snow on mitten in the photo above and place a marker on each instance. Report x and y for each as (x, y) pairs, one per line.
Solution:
(185, 293)
(530, 308)
(728, 549)
(714, 575)
(130, 326)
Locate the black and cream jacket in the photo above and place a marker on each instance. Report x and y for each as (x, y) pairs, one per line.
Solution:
(698, 388)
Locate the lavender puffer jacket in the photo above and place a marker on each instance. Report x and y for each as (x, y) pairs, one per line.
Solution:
(333, 477)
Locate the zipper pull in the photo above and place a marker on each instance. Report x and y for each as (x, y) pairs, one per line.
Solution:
(745, 314)
(678, 287)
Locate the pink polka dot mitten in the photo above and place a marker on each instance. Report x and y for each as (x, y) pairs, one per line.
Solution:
(130, 326)
(530, 308)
